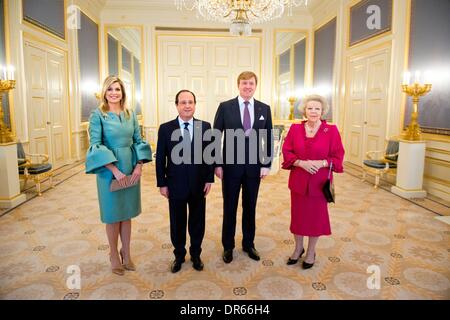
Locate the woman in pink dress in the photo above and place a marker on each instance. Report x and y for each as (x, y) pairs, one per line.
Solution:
(308, 150)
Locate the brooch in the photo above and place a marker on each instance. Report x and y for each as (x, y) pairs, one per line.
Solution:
(325, 130)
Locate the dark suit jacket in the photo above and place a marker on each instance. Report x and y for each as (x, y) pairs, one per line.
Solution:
(228, 116)
(181, 179)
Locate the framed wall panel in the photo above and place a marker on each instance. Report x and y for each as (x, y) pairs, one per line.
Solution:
(299, 72)
(137, 85)
(429, 51)
(324, 49)
(88, 52)
(113, 56)
(46, 14)
(290, 52)
(125, 56)
(126, 59)
(3, 61)
(285, 62)
(369, 18)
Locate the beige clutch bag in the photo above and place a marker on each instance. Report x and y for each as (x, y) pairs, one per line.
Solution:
(116, 186)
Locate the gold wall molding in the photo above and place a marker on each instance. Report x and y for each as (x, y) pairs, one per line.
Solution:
(437, 161)
(43, 29)
(438, 181)
(382, 33)
(436, 137)
(436, 150)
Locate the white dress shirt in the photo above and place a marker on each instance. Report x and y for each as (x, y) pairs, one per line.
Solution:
(190, 126)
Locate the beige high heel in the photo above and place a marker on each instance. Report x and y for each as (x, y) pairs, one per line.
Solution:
(119, 271)
(130, 266)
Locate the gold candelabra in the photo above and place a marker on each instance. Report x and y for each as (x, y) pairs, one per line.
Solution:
(414, 90)
(5, 134)
(292, 101)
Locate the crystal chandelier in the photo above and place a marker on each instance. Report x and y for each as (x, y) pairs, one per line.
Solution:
(240, 14)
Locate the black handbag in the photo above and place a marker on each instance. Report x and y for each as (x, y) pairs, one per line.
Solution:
(328, 187)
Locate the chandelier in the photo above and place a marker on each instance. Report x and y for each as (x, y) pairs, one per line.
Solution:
(240, 14)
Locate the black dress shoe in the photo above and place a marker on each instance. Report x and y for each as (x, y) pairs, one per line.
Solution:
(294, 261)
(227, 256)
(176, 265)
(306, 265)
(197, 263)
(252, 253)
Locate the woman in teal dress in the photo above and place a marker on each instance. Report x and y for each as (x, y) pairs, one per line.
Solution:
(116, 151)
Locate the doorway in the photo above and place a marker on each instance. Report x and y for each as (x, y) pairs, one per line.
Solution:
(366, 103)
(47, 101)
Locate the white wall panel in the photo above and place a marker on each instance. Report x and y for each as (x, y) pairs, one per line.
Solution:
(206, 65)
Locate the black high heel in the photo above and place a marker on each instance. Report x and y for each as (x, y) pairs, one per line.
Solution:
(306, 265)
(294, 261)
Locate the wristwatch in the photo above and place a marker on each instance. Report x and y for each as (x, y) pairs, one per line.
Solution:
(324, 163)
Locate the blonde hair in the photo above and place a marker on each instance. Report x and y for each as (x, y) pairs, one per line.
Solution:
(247, 75)
(104, 107)
(318, 98)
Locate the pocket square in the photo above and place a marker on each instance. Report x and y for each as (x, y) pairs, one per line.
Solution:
(261, 118)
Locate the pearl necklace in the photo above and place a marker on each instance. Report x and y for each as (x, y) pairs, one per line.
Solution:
(312, 130)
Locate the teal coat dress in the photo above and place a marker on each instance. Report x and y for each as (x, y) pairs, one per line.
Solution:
(116, 139)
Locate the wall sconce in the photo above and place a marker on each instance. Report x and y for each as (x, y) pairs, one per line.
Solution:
(415, 90)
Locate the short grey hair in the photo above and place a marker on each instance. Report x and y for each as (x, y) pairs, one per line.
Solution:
(318, 98)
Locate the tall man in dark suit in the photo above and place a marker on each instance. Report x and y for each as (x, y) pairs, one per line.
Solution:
(183, 180)
(245, 163)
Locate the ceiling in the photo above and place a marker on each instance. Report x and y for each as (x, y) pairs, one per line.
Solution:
(168, 4)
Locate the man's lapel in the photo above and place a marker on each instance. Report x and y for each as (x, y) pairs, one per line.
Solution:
(258, 114)
(174, 125)
(237, 111)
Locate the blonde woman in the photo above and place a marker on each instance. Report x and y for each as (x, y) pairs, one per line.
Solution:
(117, 151)
(308, 151)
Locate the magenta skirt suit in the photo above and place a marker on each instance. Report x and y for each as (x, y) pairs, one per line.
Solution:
(309, 208)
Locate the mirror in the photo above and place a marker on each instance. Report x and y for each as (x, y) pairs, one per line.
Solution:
(290, 48)
(125, 59)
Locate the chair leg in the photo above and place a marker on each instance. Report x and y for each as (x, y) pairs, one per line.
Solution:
(38, 188)
(377, 181)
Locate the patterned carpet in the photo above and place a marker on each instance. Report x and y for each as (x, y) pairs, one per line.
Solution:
(41, 239)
